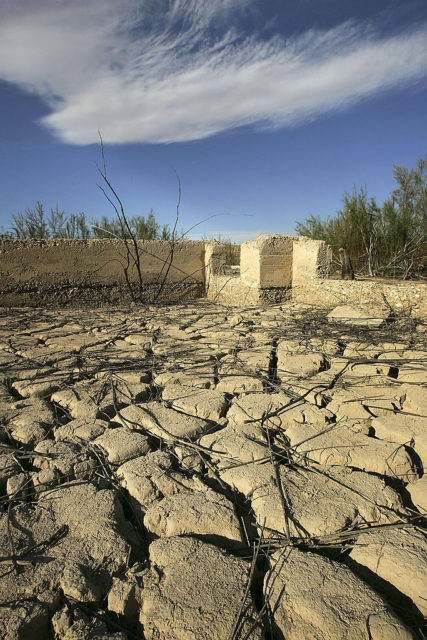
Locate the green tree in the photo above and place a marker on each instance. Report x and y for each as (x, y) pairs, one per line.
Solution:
(404, 223)
(56, 223)
(389, 240)
(354, 227)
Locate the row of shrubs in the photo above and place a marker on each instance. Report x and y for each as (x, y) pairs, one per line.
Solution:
(36, 223)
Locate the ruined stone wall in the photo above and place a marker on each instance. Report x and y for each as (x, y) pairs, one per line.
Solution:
(276, 268)
(311, 259)
(264, 276)
(267, 262)
(273, 269)
(268, 267)
(403, 297)
(57, 270)
(228, 289)
(223, 283)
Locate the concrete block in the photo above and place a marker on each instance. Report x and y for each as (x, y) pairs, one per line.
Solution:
(311, 259)
(267, 262)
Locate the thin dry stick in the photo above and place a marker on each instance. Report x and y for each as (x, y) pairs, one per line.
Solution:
(111, 478)
(175, 439)
(20, 558)
(283, 499)
(101, 615)
(126, 230)
(10, 539)
(173, 241)
(124, 225)
(128, 252)
(212, 469)
(336, 539)
(238, 620)
(262, 612)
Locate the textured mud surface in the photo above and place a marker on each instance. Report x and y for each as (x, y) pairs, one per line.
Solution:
(193, 472)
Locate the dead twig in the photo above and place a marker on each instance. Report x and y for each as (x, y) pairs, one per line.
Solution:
(101, 615)
(239, 616)
(19, 560)
(12, 557)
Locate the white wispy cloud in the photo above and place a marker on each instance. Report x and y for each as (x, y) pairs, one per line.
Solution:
(175, 70)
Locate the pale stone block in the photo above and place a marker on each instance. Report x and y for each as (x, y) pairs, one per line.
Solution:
(267, 261)
(311, 259)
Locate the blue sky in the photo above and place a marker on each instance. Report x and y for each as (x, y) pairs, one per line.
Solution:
(267, 109)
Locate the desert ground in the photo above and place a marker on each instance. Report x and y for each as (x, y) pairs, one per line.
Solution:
(196, 472)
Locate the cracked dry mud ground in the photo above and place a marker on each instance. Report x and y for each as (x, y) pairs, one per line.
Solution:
(197, 473)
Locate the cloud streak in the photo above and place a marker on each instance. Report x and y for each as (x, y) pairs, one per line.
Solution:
(169, 71)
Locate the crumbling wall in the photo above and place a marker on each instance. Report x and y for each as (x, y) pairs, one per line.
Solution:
(267, 262)
(273, 268)
(268, 267)
(229, 290)
(403, 297)
(311, 259)
(264, 277)
(57, 270)
(215, 261)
